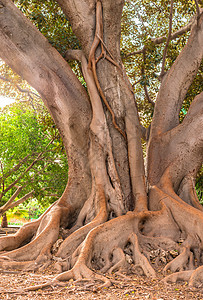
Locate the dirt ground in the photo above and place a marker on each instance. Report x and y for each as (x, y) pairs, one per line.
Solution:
(133, 287)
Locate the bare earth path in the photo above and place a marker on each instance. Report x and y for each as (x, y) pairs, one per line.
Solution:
(134, 288)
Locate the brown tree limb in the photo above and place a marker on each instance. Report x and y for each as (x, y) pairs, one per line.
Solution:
(185, 157)
(21, 200)
(28, 92)
(16, 167)
(5, 206)
(11, 204)
(198, 8)
(172, 92)
(20, 177)
(168, 39)
(38, 65)
(81, 19)
(145, 86)
(1, 178)
(188, 193)
(137, 82)
(148, 96)
(175, 34)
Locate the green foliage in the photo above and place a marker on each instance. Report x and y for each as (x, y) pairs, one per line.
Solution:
(48, 17)
(26, 133)
(30, 210)
(19, 212)
(34, 209)
(26, 211)
(199, 185)
(142, 22)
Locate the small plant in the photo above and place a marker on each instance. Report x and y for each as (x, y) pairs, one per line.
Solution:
(24, 212)
(34, 209)
(15, 223)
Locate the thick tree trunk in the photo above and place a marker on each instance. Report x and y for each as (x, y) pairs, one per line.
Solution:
(107, 210)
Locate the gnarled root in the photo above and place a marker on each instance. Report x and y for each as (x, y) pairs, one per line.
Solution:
(140, 259)
(194, 277)
(23, 235)
(115, 245)
(14, 241)
(179, 262)
(119, 261)
(37, 251)
(179, 276)
(104, 246)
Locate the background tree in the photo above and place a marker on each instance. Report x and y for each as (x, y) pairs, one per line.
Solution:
(102, 134)
(31, 156)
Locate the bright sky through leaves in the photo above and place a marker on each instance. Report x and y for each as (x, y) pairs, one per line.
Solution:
(5, 101)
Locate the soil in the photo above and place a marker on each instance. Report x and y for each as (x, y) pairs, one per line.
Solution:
(131, 287)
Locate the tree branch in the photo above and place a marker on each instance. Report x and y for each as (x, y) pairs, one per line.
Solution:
(160, 40)
(23, 174)
(176, 82)
(198, 8)
(195, 108)
(176, 34)
(81, 15)
(137, 82)
(145, 86)
(16, 167)
(30, 55)
(168, 39)
(16, 203)
(7, 204)
(1, 180)
(185, 142)
(28, 92)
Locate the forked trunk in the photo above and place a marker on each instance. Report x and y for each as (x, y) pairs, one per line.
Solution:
(110, 207)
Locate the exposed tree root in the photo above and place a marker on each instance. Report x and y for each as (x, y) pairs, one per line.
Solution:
(37, 252)
(119, 261)
(196, 278)
(23, 235)
(179, 276)
(193, 277)
(115, 245)
(140, 259)
(179, 262)
(111, 258)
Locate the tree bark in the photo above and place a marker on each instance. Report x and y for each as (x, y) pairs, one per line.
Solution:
(108, 209)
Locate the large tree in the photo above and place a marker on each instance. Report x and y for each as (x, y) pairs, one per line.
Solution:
(113, 205)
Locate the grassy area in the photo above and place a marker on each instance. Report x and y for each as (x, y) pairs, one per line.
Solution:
(17, 221)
